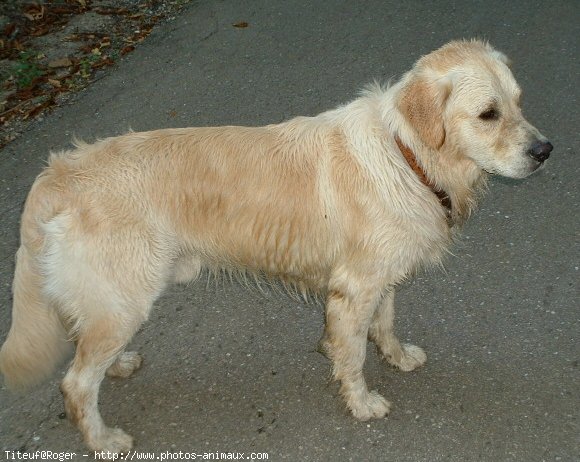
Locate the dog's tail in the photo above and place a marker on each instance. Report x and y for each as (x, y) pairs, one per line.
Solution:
(37, 341)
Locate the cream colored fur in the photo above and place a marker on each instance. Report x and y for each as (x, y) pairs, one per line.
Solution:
(325, 203)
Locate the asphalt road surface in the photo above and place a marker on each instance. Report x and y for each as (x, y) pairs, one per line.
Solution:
(233, 369)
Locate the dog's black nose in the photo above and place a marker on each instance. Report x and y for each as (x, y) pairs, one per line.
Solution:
(540, 150)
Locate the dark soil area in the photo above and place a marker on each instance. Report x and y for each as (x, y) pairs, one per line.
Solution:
(51, 48)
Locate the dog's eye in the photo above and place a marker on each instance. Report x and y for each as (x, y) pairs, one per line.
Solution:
(489, 114)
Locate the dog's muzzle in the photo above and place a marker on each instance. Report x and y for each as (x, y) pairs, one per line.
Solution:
(540, 150)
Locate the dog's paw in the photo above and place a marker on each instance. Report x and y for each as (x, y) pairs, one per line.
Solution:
(408, 358)
(127, 363)
(112, 442)
(370, 406)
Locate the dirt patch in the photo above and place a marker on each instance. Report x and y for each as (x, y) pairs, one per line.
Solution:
(52, 48)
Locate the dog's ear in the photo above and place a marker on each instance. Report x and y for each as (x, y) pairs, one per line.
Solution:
(422, 103)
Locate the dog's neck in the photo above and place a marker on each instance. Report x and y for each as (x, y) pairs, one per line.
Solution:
(443, 197)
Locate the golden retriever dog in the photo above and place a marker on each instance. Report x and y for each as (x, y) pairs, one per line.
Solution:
(346, 204)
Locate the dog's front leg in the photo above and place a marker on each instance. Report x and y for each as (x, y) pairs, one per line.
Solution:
(349, 311)
(406, 357)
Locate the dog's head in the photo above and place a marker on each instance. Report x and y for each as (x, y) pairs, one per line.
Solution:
(464, 96)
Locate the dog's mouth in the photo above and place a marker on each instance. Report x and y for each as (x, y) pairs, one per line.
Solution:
(538, 165)
(524, 170)
(534, 166)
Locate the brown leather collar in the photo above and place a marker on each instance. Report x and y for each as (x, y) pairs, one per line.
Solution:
(411, 159)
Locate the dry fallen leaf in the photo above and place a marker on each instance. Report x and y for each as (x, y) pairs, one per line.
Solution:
(34, 13)
(60, 62)
(127, 49)
(241, 24)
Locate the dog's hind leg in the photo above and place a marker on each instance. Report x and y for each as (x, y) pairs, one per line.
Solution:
(350, 307)
(406, 357)
(100, 343)
(103, 292)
